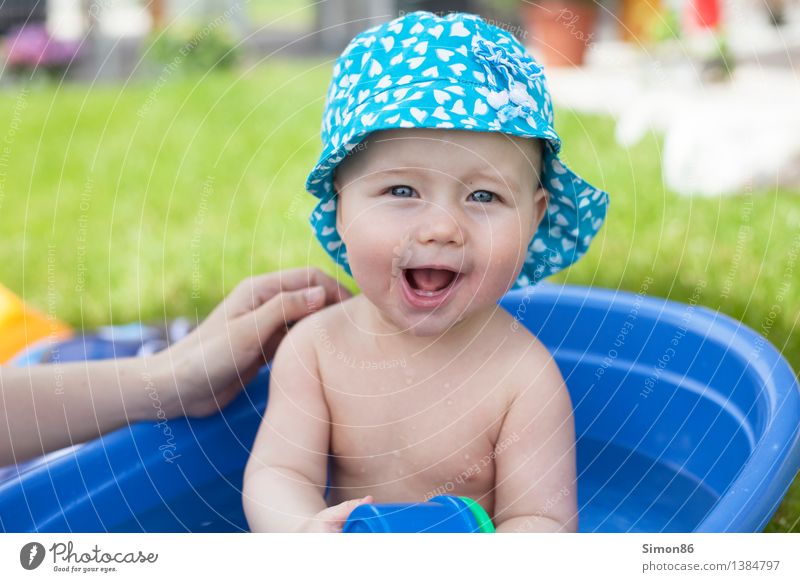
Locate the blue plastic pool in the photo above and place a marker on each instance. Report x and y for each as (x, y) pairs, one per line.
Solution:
(686, 421)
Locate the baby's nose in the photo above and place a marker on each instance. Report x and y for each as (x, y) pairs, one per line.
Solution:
(439, 226)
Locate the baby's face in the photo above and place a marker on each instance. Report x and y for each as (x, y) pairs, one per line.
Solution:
(437, 222)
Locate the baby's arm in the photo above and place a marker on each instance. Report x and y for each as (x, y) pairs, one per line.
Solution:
(535, 459)
(284, 482)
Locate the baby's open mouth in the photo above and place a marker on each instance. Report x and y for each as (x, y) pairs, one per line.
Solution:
(429, 282)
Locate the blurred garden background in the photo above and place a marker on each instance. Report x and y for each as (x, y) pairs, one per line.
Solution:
(153, 154)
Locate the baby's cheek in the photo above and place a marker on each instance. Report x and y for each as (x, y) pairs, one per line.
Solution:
(369, 249)
(503, 260)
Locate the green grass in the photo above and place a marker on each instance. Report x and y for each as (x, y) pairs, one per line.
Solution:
(108, 216)
(296, 14)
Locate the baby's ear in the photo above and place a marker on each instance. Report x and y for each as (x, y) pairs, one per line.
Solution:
(541, 199)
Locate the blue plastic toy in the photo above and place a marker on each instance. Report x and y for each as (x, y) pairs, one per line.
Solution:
(442, 514)
(686, 421)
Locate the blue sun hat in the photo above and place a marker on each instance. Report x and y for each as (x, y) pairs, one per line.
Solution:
(452, 72)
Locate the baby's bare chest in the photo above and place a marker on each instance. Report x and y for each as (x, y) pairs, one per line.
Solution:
(414, 427)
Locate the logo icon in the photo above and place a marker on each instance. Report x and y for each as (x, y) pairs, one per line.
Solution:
(31, 555)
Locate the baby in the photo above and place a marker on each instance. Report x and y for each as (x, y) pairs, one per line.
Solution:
(440, 190)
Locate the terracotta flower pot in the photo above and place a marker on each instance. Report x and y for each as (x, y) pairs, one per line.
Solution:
(560, 31)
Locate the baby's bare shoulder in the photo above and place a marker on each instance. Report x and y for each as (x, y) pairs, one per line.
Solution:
(318, 326)
(529, 360)
(516, 337)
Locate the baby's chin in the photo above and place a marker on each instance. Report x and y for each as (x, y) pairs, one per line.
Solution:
(433, 325)
(401, 320)
(429, 325)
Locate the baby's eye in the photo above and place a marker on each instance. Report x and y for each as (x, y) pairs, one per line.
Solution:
(402, 191)
(482, 196)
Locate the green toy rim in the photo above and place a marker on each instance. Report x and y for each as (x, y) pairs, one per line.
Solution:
(485, 524)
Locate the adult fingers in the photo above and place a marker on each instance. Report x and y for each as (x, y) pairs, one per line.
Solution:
(253, 292)
(288, 306)
(295, 279)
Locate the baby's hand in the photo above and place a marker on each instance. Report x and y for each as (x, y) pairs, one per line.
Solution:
(331, 520)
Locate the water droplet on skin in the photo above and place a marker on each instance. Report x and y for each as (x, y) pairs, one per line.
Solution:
(466, 456)
(449, 402)
(409, 380)
(447, 384)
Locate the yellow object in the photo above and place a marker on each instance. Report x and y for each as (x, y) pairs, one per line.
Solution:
(638, 18)
(21, 326)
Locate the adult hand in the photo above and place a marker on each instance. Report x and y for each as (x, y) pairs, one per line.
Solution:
(204, 371)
